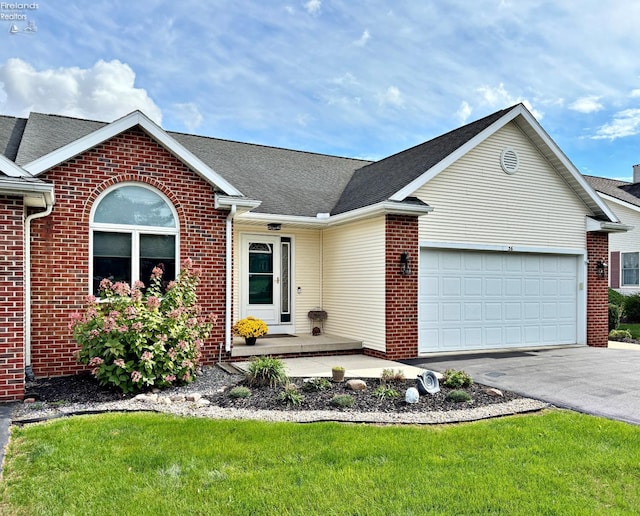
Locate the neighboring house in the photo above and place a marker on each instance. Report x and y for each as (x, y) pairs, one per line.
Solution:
(623, 198)
(482, 238)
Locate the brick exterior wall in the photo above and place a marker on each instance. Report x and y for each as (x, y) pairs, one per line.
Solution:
(11, 299)
(401, 291)
(597, 291)
(60, 242)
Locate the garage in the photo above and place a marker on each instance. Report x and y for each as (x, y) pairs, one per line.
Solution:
(475, 300)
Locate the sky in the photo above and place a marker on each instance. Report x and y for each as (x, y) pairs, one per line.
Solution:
(362, 79)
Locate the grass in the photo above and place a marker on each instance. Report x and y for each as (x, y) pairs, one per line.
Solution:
(633, 328)
(556, 462)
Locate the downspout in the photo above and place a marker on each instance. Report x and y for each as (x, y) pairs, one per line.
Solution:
(229, 278)
(27, 287)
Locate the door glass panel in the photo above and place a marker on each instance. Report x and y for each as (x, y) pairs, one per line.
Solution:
(285, 310)
(111, 258)
(260, 274)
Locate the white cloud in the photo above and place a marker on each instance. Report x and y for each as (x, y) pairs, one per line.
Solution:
(499, 98)
(313, 6)
(189, 114)
(104, 92)
(363, 39)
(589, 104)
(391, 97)
(464, 112)
(625, 123)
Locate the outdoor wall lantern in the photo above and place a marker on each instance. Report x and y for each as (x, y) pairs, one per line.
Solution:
(600, 268)
(404, 264)
(274, 227)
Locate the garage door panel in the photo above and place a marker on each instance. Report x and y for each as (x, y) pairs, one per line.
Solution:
(482, 300)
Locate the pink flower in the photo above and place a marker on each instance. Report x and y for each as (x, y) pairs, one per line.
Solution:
(136, 376)
(131, 312)
(95, 362)
(74, 319)
(187, 363)
(172, 353)
(90, 300)
(153, 303)
(170, 378)
(105, 284)
(137, 326)
(136, 295)
(123, 329)
(121, 288)
(119, 362)
(187, 264)
(183, 345)
(94, 334)
(157, 272)
(186, 377)
(147, 356)
(138, 284)
(171, 285)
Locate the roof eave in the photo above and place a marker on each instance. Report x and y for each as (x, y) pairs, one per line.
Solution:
(605, 226)
(35, 194)
(136, 118)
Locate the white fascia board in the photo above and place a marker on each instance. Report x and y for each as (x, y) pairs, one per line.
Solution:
(604, 226)
(242, 204)
(622, 203)
(428, 175)
(9, 168)
(383, 208)
(467, 246)
(103, 134)
(33, 191)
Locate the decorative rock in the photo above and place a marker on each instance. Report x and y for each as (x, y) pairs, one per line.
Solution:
(203, 403)
(357, 385)
(29, 400)
(155, 390)
(177, 398)
(146, 398)
(165, 400)
(494, 392)
(412, 395)
(194, 397)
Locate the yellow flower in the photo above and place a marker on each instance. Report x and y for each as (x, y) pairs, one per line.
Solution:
(250, 327)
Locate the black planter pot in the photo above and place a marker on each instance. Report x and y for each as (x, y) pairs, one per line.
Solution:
(250, 341)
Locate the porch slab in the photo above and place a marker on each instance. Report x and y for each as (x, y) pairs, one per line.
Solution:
(356, 366)
(295, 345)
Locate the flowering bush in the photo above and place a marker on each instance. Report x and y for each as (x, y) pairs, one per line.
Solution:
(250, 327)
(135, 339)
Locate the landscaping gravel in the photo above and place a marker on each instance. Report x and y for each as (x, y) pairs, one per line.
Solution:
(208, 396)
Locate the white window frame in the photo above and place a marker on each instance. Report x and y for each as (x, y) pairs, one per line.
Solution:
(622, 270)
(134, 230)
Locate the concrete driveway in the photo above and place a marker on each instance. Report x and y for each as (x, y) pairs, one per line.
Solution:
(600, 381)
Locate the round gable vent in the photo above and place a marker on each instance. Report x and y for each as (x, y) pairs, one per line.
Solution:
(509, 161)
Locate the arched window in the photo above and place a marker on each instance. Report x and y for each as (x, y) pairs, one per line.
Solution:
(133, 229)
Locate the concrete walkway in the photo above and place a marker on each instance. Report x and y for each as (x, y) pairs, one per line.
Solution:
(600, 381)
(356, 366)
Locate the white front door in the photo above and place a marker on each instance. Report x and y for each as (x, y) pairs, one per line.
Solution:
(265, 282)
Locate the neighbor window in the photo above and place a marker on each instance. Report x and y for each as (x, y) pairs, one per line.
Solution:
(133, 230)
(630, 269)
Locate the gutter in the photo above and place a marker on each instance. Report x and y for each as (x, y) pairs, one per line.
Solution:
(229, 277)
(27, 282)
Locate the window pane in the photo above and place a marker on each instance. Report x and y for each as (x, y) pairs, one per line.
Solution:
(111, 258)
(629, 260)
(157, 250)
(630, 273)
(136, 206)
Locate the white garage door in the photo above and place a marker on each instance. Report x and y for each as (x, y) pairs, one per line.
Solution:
(484, 300)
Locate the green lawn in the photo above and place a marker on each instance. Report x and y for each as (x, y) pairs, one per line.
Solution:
(633, 328)
(555, 462)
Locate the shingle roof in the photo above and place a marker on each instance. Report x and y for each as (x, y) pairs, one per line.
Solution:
(380, 180)
(622, 190)
(11, 130)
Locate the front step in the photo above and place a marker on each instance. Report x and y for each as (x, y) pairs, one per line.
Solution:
(296, 345)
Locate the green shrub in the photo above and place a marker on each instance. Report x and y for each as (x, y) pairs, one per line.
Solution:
(620, 335)
(290, 395)
(392, 376)
(383, 392)
(266, 370)
(134, 339)
(456, 379)
(616, 297)
(632, 308)
(240, 392)
(459, 396)
(342, 401)
(316, 384)
(615, 314)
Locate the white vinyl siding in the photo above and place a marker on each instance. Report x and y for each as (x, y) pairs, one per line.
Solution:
(354, 281)
(625, 242)
(475, 201)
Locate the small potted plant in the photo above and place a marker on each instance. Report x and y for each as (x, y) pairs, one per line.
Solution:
(250, 328)
(337, 372)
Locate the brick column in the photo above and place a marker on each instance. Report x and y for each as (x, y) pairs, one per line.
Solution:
(597, 291)
(401, 291)
(11, 299)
